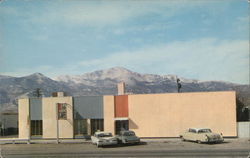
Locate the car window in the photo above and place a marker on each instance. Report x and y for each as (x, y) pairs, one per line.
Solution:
(192, 130)
(104, 135)
(129, 134)
(204, 131)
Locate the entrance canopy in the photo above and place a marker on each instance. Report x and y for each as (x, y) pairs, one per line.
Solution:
(121, 118)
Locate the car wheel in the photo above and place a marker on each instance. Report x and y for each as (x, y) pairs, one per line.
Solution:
(119, 141)
(198, 141)
(182, 138)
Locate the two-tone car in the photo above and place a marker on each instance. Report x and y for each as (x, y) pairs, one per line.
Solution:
(127, 137)
(103, 138)
(201, 135)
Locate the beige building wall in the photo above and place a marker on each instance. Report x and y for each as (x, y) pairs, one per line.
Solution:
(23, 119)
(109, 114)
(49, 111)
(167, 115)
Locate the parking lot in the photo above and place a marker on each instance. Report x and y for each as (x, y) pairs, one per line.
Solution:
(148, 148)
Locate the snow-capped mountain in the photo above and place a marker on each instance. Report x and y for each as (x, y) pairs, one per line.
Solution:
(103, 82)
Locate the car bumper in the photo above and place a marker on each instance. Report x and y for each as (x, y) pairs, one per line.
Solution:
(215, 140)
(108, 143)
(131, 141)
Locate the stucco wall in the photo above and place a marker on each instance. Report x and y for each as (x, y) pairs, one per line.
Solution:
(108, 113)
(23, 118)
(50, 118)
(121, 106)
(167, 115)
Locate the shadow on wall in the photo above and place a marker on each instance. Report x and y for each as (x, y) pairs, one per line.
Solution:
(132, 124)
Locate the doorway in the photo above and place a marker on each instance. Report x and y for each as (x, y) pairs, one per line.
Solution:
(36, 128)
(121, 125)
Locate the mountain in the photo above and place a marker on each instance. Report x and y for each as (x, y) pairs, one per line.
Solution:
(103, 82)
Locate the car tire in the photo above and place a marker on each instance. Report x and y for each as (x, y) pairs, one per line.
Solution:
(198, 141)
(182, 138)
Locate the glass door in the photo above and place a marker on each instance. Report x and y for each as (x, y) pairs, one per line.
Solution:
(36, 128)
(121, 125)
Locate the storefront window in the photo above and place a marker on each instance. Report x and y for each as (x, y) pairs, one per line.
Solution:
(62, 111)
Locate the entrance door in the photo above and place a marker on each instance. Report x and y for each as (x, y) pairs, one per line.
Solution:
(36, 128)
(96, 125)
(80, 128)
(121, 125)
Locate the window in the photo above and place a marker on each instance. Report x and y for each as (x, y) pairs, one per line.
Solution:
(80, 127)
(121, 125)
(204, 131)
(36, 127)
(96, 124)
(62, 111)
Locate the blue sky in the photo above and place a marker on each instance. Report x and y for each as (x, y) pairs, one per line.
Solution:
(197, 39)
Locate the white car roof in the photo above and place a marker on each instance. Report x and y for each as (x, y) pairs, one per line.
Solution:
(102, 132)
(197, 129)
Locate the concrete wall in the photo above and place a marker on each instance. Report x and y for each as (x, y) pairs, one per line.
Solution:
(243, 129)
(167, 115)
(109, 114)
(23, 118)
(50, 119)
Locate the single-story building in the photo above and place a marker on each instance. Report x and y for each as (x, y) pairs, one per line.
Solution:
(149, 115)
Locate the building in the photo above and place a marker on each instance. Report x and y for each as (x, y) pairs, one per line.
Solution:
(149, 115)
(8, 123)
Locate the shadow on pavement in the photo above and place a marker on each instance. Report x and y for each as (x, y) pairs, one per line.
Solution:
(125, 145)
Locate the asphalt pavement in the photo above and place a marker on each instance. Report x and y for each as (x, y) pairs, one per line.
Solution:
(237, 148)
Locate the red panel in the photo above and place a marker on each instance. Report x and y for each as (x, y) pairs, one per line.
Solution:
(121, 106)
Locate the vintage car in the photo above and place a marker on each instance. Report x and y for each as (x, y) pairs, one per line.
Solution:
(201, 135)
(103, 139)
(127, 137)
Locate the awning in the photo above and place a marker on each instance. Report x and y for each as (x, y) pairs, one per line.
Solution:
(121, 118)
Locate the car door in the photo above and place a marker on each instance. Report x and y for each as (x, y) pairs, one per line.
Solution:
(193, 135)
(188, 135)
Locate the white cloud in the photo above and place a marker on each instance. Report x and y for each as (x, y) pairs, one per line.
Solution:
(207, 59)
(106, 13)
(204, 59)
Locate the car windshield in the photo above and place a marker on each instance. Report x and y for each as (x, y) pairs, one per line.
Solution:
(204, 131)
(129, 134)
(104, 135)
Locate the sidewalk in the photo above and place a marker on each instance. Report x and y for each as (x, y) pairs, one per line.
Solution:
(40, 141)
(79, 140)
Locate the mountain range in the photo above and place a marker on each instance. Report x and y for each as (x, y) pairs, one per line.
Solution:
(103, 82)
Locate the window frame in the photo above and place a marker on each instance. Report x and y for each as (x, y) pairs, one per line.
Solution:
(61, 111)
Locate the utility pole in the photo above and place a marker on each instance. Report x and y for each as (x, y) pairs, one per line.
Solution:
(57, 125)
(178, 84)
(37, 92)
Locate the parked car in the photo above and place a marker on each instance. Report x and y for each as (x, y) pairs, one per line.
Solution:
(103, 139)
(201, 135)
(127, 137)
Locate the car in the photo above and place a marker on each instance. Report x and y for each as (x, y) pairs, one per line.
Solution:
(102, 138)
(202, 135)
(127, 137)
